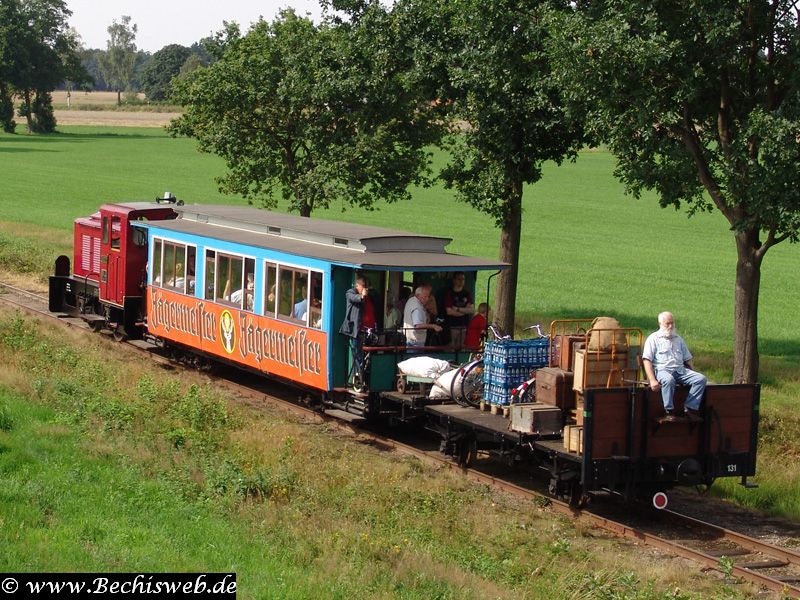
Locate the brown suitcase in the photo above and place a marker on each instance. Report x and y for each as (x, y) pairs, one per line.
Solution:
(536, 418)
(554, 388)
(562, 348)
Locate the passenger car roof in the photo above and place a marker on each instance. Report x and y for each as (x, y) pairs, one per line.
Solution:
(361, 246)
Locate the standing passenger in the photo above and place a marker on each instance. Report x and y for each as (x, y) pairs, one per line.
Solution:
(359, 316)
(458, 306)
(415, 317)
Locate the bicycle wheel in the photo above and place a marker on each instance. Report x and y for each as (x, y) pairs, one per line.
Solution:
(472, 384)
(457, 387)
(524, 392)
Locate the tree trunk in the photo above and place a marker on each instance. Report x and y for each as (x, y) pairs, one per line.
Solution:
(119, 97)
(748, 282)
(505, 298)
(28, 110)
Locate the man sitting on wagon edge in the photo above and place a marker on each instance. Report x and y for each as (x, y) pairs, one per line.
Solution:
(667, 361)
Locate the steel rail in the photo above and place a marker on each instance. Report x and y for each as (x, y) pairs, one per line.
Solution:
(621, 529)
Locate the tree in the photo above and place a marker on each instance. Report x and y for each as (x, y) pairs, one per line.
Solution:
(161, 68)
(317, 114)
(699, 101)
(120, 57)
(91, 60)
(495, 80)
(41, 52)
(11, 32)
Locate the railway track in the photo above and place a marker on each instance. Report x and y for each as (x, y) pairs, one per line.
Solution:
(738, 556)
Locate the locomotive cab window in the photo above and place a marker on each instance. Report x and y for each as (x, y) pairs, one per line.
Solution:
(116, 233)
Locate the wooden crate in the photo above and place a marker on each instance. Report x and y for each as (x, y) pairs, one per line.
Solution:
(576, 440)
(598, 369)
(567, 431)
(579, 410)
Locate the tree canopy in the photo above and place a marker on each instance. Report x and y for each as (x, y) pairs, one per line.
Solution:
(315, 114)
(38, 51)
(161, 68)
(699, 101)
(119, 61)
(488, 65)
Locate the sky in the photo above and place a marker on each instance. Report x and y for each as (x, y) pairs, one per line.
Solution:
(165, 22)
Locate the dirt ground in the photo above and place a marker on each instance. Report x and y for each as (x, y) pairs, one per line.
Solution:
(113, 118)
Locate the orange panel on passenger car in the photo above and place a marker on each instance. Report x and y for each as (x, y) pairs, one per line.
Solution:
(271, 346)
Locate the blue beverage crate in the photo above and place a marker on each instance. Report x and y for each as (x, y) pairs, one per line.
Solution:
(498, 395)
(518, 353)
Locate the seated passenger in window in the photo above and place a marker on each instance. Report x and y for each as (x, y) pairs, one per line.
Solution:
(178, 280)
(236, 296)
(300, 309)
(190, 279)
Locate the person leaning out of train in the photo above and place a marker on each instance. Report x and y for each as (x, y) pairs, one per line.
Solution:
(476, 327)
(415, 317)
(667, 362)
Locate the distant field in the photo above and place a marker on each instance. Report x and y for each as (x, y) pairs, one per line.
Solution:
(101, 109)
(78, 98)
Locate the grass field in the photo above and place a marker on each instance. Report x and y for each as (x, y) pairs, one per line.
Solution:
(587, 250)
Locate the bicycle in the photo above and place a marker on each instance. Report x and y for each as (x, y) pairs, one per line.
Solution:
(467, 386)
(360, 360)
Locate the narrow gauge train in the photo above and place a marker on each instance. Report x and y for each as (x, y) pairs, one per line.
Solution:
(266, 292)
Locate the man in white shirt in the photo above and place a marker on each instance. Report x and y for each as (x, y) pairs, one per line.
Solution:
(415, 317)
(667, 362)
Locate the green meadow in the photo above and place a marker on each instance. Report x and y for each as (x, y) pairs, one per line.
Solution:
(588, 249)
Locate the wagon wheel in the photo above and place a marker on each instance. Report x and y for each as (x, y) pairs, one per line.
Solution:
(401, 384)
(575, 495)
(466, 451)
(705, 486)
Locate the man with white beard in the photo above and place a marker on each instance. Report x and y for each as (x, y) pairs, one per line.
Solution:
(667, 362)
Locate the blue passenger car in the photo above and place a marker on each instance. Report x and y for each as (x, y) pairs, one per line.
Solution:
(267, 291)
